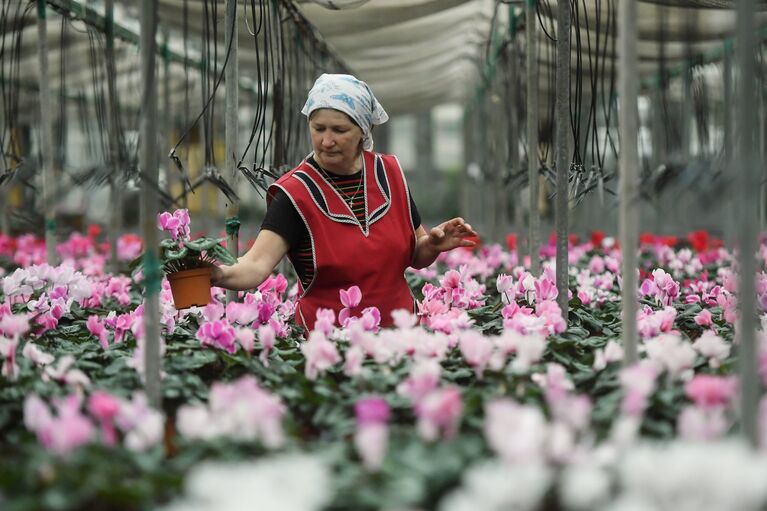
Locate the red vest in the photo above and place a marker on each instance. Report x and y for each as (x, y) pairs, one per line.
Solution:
(345, 255)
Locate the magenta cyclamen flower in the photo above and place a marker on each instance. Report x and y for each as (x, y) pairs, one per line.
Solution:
(218, 334)
(176, 224)
(105, 407)
(371, 410)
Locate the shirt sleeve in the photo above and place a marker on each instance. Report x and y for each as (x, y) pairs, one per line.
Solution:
(282, 218)
(414, 215)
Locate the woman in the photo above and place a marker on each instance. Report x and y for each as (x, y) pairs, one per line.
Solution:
(344, 216)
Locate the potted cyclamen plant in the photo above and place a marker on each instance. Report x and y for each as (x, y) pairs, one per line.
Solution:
(187, 263)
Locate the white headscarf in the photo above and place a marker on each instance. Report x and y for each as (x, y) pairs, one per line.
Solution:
(350, 96)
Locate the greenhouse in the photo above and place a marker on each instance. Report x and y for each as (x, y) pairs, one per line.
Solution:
(397, 255)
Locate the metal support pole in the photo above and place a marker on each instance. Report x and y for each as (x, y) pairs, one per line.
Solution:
(686, 114)
(729, 145)
(628, 91)
(747, 167)
(150, 203)
(534, 226)
(49, 185)
(115, 187)
(562, 153)
(232, 79)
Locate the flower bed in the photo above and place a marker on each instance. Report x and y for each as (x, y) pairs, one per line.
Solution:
(485, 400)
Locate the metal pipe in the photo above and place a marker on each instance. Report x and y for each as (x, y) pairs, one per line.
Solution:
(50, 192)
(115, 188)
(562, 154)
(232, 79)
(150, 203)
(748, 170)
(534, 227)
(628, 91)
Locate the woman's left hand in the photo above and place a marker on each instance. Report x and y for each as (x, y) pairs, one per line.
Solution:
(451, 234)
(446, 236)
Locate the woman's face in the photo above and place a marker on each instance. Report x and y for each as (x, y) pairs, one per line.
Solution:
(336, 140)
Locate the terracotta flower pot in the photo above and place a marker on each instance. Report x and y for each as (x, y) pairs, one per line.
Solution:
(190, 287)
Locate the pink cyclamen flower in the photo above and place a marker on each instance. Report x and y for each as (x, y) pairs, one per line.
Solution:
(97, 328)
(65, 432)
(326, 321)
(219, 334)
(424, 377)
(266, 336)
(372, 434)
(105, 407)
(703, 318)
(709, 391)
(439, 412)
(350, 298)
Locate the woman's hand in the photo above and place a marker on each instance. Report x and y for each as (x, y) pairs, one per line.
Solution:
(254, 266)
(446, 236)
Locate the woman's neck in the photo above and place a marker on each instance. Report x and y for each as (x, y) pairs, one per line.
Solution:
(342, 170)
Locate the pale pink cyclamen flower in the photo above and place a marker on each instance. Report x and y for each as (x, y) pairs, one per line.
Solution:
(671, 352)
(530, 349)
(34, 354)
(613, 352)
(354, 357)
(96, 327)
(218, 334)
(142, 425)
(246, 338)
(240, 410)
(423, 378)
(713, 347)
(350, 299)
(516, 433)
(702, 424)
(104, 407)
(64, 373)
(320, 353)
(8, 347)
(266, 337)
(476, 350)
(709, 391)
(14, 325)
(638, 382)
(371, 435)
(505, 284)
(404, 319)
(326, 321)
(439, 412)
(59, 434)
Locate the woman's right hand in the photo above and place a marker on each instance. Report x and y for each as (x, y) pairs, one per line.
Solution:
(253, 267)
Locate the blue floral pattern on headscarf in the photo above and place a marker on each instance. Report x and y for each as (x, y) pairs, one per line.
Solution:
(351, 96)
